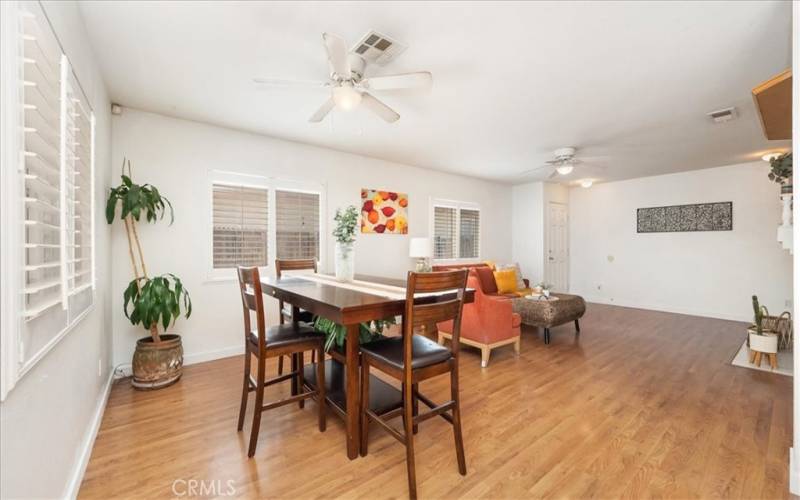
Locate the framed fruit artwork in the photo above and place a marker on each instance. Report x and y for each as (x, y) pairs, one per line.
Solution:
(384, 212)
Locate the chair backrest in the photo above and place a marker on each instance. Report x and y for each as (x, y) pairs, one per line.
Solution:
(282, 265)
(420, 311)
(293, 265)
(252, 301)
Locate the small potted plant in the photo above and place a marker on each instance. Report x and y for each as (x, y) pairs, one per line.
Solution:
(544, 289)
(345, 234)
(761, 340)
(152, 302)
(781, 171)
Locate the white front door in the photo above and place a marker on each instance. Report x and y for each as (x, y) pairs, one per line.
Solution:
(556, 267)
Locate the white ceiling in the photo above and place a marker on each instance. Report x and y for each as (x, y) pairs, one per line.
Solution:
(630, 82)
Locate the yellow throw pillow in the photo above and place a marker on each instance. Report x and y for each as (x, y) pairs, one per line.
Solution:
(506, 281)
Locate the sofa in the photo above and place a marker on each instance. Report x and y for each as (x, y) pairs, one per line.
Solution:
(485, 275)
(487, 323)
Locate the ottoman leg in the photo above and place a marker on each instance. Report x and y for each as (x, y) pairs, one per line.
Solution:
(546, 335)
(577, 327)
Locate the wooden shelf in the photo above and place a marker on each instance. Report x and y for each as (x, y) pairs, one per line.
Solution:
(773, 100)
(382, 396)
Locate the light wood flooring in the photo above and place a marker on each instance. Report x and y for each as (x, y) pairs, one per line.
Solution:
(643, 404)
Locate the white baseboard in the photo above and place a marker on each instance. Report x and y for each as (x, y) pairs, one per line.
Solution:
(794, 474)
(659, 307)
(87, 444)
(125, 370)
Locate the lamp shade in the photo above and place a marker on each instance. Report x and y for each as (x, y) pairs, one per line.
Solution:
(420, 248)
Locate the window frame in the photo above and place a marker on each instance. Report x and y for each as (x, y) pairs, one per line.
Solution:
(271, 184)
(458, 206)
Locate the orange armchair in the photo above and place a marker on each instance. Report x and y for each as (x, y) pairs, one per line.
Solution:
(486, 323)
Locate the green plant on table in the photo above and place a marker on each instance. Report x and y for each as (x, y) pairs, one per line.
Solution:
(346, 224)
(147, 301)
(337, 334)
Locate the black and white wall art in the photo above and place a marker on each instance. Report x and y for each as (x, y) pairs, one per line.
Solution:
(680, 218)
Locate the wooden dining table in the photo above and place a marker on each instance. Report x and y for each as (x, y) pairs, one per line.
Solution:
(348, 307)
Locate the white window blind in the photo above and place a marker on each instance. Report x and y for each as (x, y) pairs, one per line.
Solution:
(456, 230)
(444, 233)
(469, 233)
(240, 226)
(297, 225)
(56, 151)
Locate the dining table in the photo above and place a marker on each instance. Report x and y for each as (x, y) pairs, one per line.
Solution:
(349, 303)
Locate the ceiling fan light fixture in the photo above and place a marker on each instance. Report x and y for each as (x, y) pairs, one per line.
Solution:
(346, 97)
(564, 169)
(587, 183)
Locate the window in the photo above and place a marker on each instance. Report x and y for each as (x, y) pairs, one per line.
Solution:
(256, 219)
(240, 226)
(456, 230)
(48, 215)
(296, 225)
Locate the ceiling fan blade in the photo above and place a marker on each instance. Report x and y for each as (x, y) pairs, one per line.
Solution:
(552, 174)
(419, 79)
(379, 108)
(281, 82)
(337, 54)
(323, 111)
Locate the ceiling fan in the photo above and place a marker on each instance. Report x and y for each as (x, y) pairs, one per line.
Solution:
(563, 163)
(348, 87)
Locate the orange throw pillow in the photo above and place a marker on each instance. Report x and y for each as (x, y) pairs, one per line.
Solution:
(506, 281)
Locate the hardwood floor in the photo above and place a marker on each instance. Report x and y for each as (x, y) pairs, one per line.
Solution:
(644, 404)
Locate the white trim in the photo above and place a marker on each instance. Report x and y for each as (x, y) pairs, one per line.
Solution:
(94, 207)
(794, 465)
(42, 352)
(794, 473)
(634, 304)
(87, 443)
(63, 186)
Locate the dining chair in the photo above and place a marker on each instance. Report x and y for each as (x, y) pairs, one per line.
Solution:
(286, 312)
(279, 340)
(413, 358)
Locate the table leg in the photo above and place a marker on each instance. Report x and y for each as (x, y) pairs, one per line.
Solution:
(353, 392)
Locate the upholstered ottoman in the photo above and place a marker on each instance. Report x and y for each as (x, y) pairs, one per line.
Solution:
(549, 313)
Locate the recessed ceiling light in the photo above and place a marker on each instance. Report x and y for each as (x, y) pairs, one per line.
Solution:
(587, 183)
(770, 156)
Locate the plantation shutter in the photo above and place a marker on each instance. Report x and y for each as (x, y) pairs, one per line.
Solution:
(297, 225)
(469, 233)
(56, 189)
(240, 220)
(444, 233)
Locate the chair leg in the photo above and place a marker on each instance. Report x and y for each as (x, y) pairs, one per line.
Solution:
(363, 406)
(293, 359)
(462, 464)
(485, 353)
(415, 404)
(245, 391)
(517, 346)
(321, 389)
(258, 409)
(280, 365)
(300, 381)
(408, 424)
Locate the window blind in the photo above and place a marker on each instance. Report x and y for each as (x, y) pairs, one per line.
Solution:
(240, 224)
(56, 190)
(469, 233)
(444, 233)
(297, 225)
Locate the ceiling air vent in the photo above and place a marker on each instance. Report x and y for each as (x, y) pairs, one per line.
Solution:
(722, 115)
(377, 48)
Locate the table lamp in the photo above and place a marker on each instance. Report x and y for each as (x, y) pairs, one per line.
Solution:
(420, 249)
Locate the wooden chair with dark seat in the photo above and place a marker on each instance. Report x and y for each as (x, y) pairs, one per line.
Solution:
(279, 340)
(285, 313)
(413, 358)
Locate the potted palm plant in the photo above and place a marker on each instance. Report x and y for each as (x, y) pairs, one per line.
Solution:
(152, 302)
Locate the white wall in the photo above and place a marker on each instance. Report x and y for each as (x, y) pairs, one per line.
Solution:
(177, 155)
(705, 273)
(46, 420)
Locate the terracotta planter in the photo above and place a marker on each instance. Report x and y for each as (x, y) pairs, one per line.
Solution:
(157, 365)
